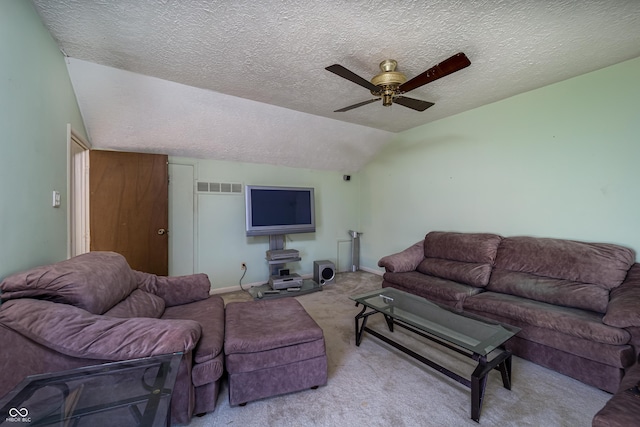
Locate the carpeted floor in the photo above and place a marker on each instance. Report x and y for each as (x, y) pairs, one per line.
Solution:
(376, 385)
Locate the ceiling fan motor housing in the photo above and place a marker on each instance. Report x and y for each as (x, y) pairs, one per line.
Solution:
(391, 85)
(388, 81)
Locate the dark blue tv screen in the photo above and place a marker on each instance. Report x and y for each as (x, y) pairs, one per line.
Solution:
(279, 210)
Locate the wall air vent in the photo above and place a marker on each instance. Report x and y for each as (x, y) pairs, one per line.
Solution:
(219, 187)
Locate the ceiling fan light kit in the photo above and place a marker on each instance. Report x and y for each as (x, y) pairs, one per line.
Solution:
(388, 81)
(391, 84)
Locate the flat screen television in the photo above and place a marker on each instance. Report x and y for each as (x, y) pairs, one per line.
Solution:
(279, 210)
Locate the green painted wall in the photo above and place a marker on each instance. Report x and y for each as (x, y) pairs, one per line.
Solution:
(561, 161)
(36, 104)
(220, 220)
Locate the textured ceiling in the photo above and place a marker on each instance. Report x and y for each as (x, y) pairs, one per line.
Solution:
(205, 55)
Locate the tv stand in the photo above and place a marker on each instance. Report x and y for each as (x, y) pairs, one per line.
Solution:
(264, 292)
(285, 282)
(276, 242)
(277, 258)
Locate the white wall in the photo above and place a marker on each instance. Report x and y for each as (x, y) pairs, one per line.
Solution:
(561, 161)
(221, 243)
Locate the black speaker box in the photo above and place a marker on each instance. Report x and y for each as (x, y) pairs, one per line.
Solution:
(324, 272)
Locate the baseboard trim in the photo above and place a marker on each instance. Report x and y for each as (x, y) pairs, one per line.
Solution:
(373, 271)
(227, 289)
(246, 286)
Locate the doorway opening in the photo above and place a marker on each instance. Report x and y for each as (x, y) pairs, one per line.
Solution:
(78, 237)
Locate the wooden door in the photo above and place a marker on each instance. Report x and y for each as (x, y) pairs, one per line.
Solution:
(128, 207)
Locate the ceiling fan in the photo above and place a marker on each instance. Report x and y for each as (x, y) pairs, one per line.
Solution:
(391, 84)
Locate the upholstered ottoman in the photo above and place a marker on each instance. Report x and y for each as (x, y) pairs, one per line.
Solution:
(272, 347)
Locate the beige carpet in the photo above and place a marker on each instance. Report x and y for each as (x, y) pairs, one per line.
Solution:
(376, 385)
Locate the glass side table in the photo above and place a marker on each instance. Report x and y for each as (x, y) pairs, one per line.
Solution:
(129, 393)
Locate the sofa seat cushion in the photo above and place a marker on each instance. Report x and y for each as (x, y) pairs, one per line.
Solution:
(95, 282)
(138, 304)
(209, 313)
(462, 257)
(430, 287)
(619, 356)
(569, 321)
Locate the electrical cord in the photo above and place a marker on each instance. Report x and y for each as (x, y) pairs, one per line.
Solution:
(242, 277)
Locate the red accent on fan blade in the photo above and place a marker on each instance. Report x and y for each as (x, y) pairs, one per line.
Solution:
(351, 76)
(415, 104)
(360, 104)
(456, 63)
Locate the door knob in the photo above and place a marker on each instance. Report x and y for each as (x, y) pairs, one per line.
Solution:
(162, 231)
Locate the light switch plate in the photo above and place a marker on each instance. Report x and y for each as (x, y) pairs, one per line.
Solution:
(56, 199)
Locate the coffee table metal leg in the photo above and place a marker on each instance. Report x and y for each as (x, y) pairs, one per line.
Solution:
(389, 320)
(505, 371)
(478, 385)
(502, 363)
(360, 326)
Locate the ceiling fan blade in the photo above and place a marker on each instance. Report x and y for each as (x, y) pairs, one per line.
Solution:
(456, 63)
(350, 75)
(360, 104)
(413, 103)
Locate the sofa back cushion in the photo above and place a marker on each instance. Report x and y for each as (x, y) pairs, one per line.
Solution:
(95, 282)
(138, 304)
(461, 257)
(175, 290)
(562, 272)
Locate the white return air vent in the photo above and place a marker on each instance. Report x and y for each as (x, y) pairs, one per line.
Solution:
(219, 187)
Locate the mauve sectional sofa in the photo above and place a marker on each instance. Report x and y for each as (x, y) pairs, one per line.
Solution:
(94, 309)
(577, 303)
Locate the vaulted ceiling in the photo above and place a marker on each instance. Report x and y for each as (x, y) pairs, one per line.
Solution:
(246, 81)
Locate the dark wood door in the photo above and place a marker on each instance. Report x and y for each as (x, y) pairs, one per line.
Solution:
(128, 207)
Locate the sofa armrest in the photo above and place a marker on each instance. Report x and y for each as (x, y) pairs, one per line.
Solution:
(404, 261)
(76, 332)
(176, 290)
(624, 301)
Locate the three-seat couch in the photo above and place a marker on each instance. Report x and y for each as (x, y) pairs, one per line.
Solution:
(577, 303)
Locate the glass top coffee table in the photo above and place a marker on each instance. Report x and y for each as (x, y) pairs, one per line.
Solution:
(128, 393)
(467, 334)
